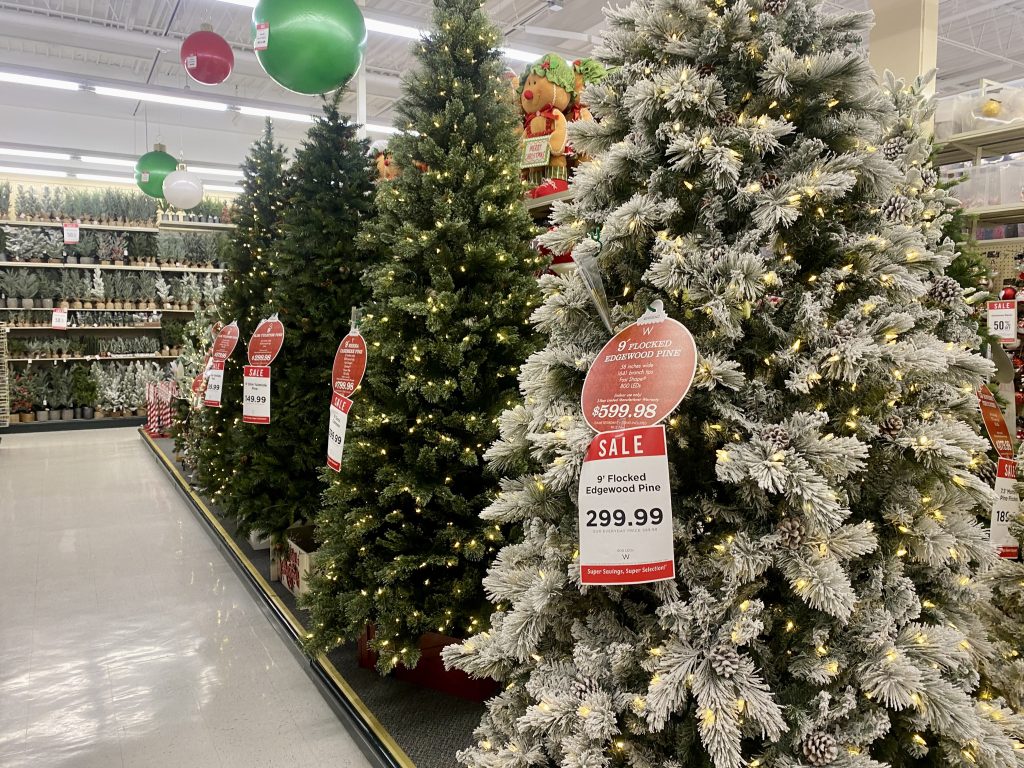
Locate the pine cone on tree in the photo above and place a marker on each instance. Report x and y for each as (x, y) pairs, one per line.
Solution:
(769, 180)
(724, 660)
(986, 472)
(896, 208)
(791, 532)
(929, 176)
(726, 118)
(844, 330)
(821, 748)
(894, 148)
(891, 424)
(775, 7)
(945, 290)
(777, 435)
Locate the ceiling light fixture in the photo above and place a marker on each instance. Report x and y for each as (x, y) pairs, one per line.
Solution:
(234, 173)
(34, 153)
(223, 188)
(160, 98)
(278, 114)
(109, 179)
(96, 160)
(33, 172)
(44, 82)
(555, 5)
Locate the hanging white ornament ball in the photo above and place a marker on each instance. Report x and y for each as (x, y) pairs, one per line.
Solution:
(183, 189)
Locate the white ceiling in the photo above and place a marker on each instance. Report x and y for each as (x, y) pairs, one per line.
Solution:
(136, 41)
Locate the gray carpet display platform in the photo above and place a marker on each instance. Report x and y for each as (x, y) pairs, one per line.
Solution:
(428, 725)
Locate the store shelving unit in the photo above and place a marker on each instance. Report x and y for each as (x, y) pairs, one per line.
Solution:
(540, 207)
(160, 226)
(5, 390)
(111, 267)
(90, 359)
(50, 309)
(977, 145)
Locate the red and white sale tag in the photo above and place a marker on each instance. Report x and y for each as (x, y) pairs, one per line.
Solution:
(1005, 507)
(262, 39)
(340, 406)
(625, 509)
(225, 342)
(1002, 320)
(59, 320)
(995, 424)
(641, 375)
(214, 384)
(266, 341)
(256, 394)
(71, 232)
(349, 364)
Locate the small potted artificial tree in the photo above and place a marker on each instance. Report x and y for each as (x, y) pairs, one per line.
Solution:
(83, 391)
(40, 390)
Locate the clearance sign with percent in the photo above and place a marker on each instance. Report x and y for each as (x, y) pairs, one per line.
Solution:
(625, 505)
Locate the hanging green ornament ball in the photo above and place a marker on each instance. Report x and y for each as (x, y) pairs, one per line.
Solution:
(309, 46)
(152, 168)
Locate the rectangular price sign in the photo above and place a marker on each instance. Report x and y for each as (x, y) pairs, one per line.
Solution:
(214, 384)
(262, 40)
(1002, 320)
(71, 232)
(995, 424)
(340, 406)
(256, 394)
(1005, 507)
(536, 152)
(59, 320)
(625, 509)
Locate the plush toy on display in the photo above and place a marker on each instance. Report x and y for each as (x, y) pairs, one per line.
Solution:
(545, 96)
(309, 46)
(183, 189)
(387, 170)
(207, 57)
(585, 72)
(559, 263)
(152, 168)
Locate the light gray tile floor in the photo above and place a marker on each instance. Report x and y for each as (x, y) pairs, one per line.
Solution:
(126, 640)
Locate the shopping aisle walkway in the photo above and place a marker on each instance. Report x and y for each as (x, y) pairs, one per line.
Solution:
(125, 638)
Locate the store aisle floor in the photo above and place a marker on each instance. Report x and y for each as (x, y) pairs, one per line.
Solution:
(125, 637)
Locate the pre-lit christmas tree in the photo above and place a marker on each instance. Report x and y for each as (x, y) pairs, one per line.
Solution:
(403, 547)
(827, 546)
(246, 299)
(316, 272)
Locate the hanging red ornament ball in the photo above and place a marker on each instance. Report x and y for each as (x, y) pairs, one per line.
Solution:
(207, 57)
(1008, 292)
(1018, 396)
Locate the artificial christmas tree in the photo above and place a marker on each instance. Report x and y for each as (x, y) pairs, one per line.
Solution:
(402, 544)
(218, 441)
(824, 514)
(316, 280)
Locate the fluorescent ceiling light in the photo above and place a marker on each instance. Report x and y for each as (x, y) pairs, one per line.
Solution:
(110, 179)
(235, 173)
(96, 160)
(395, 30)
(514, 54)
(34, 153)
(160, 98)
(223, 188)
(33, 172)
(381, 128)
(45, 82)
(276, 113)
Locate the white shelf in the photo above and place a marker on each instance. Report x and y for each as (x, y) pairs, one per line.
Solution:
(165, 226)
(37, 328)
(997, 214)
(90, 358)
(111, 267)
(72, 309)
(989, 142)
(540, 207)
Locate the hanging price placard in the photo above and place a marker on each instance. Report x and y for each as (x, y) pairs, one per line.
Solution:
(625, 509)
(256, 394)
(266, 341)
(340, 406)
(349, 364)
(995, 424)
(641, 375)
(1005, 507)
(225, 342)
(71, 232)
(1002, 320)
(262, 39)
(59, 320)
(214, 384)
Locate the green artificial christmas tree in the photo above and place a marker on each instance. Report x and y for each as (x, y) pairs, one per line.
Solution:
(403, 548)
(316, 280)
(219, 439)
(825, 608)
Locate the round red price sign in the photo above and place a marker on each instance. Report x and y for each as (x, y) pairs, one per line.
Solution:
(266, 341)
(197, 384)
(225, 342)
(349, 364)
(641, 375)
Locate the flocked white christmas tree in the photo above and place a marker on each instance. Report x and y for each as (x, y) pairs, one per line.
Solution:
(826, 609)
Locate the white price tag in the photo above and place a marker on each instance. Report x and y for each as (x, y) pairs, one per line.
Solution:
(1005, 507)
(191, 62)
(1002, 320)
(625, 509)
(59, 321)
(214, 384)
(256, 394)
(71, 232)
(340, 406)
(262, 40)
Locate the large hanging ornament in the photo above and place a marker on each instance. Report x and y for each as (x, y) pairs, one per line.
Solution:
(183, 189)
(152, 168)
(207, 57)
(309, 46)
